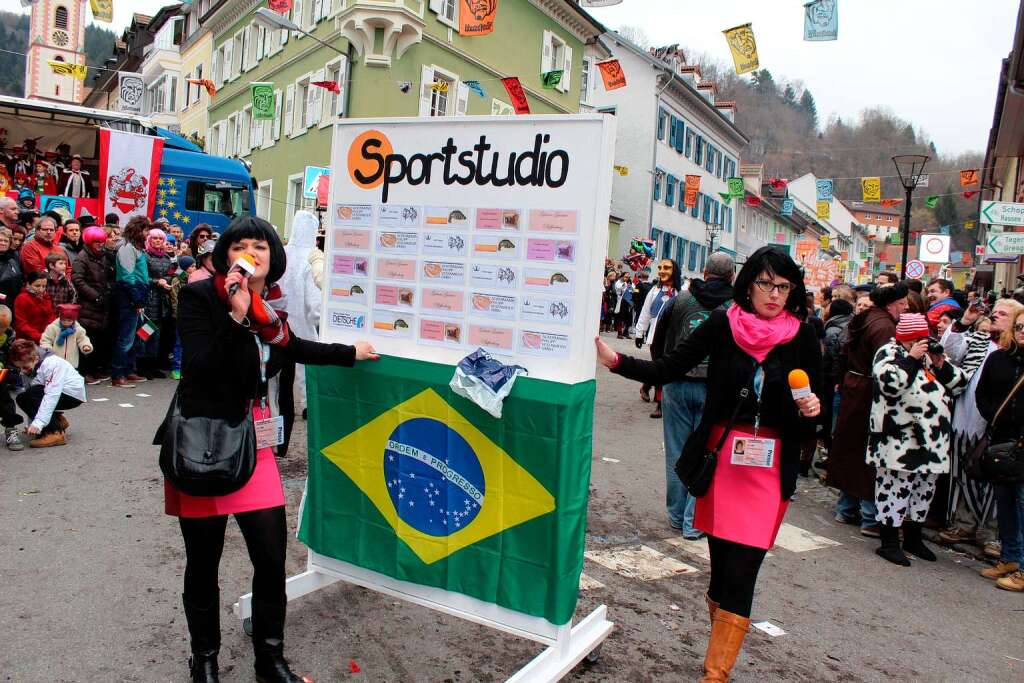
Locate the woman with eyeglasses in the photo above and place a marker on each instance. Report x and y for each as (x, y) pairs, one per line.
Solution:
(753, 420)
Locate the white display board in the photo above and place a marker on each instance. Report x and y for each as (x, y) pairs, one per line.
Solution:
(432, 253)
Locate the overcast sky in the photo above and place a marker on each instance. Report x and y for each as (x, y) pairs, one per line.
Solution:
(934, 62)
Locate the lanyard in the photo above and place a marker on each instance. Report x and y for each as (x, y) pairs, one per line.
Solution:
(758, 388)
(264, 352)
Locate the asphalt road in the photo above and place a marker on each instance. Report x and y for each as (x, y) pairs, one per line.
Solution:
(90, 580)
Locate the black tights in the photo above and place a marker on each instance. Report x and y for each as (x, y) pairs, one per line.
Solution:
(734, 570)
(266, 537)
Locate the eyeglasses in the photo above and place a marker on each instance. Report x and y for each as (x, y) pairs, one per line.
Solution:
(767, 286)
(1019, 327)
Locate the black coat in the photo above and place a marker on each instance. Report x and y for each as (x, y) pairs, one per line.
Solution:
(220, 363)
(93, 279)
(11, 278)
(1000, 373)
(729, 369)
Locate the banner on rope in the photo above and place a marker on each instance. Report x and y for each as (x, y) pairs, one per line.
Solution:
(821, 20)
(787, 208)
(476, 17)
(78, 71)
(476, 88)
(516, 93)
(824, 210)
(735, 187)
(263, 101)
(968, 176)
(692, 189)
(824, 186)
(931, 201)
(130, 92)
(621, 170)
(889, 203)
(743, 47)
(612, 75)
(206, 83)
(550, 79)
(871, 189)
(102, 10)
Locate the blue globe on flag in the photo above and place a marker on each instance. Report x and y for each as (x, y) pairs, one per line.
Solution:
(433, 476)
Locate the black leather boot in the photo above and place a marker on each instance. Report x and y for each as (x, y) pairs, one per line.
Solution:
(268, 645)
(890, 548)
(204, 633)
(914, 544)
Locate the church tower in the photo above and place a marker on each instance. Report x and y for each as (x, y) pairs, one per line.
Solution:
(56, 33)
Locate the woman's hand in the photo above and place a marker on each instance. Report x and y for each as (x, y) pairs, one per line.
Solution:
(919, 348)
(809, 406)
(605, 355)
(86, 349)
(365, 351)
(970, 316)
(32, 430)
(241, 299)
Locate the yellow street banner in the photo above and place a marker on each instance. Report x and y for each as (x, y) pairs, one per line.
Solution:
(744, 48)
(824, 209)
(621, 170)
(78, 71)
(823, 241)
(871, 189)
(102, 10)
(439, 86)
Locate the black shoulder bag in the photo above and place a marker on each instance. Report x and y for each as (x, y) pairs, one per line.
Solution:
(998, 463)
(698, 479)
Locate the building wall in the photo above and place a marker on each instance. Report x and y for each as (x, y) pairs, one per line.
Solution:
(40, 81)
(194, 102)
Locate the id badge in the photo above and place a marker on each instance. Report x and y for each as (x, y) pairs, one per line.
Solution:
(752, 452)
(269, 432)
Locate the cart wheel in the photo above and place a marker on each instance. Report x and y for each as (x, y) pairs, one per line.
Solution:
(247, 626)
(594, 655)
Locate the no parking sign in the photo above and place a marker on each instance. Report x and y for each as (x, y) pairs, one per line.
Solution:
(915, 269)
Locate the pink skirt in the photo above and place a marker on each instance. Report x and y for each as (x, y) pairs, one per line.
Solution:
(744, 503)
(262, 491)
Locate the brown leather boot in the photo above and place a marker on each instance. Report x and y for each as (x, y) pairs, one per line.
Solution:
(727, 633)
(47, 440)
(712, 607)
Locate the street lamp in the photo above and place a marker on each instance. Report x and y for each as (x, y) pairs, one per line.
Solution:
(909, 167)
(712, 229)
(271, 20)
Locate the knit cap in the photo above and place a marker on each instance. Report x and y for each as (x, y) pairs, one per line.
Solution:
(69, 311)
(911, 326)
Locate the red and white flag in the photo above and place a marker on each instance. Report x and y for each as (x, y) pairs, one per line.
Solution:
(129, 172)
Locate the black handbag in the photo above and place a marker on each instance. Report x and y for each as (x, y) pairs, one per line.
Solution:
(698, 478)
(206, 456)
(1002, 462)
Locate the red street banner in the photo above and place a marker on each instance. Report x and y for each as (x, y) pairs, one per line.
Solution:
(476, 17)
(891, 202)
(328, 85)
(515, 92)
(129, 170)
(692, 189)
(211, 89)
(969, 193)
(280, 6)
(754, 200)
(612, 75)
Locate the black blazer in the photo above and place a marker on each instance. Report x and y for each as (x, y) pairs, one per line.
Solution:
(729, 369)
(220, 362)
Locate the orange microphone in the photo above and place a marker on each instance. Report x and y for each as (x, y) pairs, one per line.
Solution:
(799, 384)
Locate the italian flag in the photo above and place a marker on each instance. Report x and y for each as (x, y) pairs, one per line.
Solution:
(410, 480)
(146, 328)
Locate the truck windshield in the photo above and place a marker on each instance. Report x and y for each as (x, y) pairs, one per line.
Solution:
(230, 200)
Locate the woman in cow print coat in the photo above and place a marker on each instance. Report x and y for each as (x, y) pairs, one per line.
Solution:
(910, 434)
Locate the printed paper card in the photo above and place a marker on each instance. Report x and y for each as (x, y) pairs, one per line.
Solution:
(538, 343)
(441, 332)
(398, 242)
(444, 244)
(548, 281)
(496, 247)
(561, 251)
(447, 217)
(397, 216)
(492, 338)
(358, 215)
(346, 321)
(396, 269)
(343, 264)
(394, 296)
(393, 323)
(452, 272)
(451, 301)
(507, 220)
(546, 220)
(350, 239)
(494, 275)
(542, 310)
(348, 290)
(499, 306)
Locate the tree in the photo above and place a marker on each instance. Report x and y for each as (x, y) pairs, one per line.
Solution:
(789, 96)
(946, 212)
(764, 82)
(635, 35)
(908, 134)
(810, 109)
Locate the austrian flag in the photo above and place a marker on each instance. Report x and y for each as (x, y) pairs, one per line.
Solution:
(129, 171)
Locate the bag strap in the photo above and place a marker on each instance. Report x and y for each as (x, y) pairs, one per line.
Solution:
(1006, 401)
(744, 393)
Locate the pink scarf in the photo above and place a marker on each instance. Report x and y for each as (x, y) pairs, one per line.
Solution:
(758, 336)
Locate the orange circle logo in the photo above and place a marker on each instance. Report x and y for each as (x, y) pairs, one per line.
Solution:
(367, 159)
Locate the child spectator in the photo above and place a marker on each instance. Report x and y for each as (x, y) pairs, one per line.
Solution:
(53, 387)
(65, 337)
(58, 284)
(33, 308)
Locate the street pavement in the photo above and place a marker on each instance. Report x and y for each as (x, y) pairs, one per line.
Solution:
(90, 579)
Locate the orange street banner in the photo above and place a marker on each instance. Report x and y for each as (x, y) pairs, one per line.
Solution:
(744, 48)
(692, 190)
(476, 17)
(611, 74)
(871, 189)
(805, 249)
(968, 177)
(889, 203)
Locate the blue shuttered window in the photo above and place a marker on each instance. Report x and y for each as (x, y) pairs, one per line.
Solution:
(662, 116)
(657, 184)
(670, 190)
(692, 262)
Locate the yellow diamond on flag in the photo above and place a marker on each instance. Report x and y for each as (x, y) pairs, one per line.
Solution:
(437, 480)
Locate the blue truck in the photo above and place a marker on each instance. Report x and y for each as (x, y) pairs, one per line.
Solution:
(196, 187)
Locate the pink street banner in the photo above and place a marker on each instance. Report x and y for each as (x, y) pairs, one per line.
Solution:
(129, 171)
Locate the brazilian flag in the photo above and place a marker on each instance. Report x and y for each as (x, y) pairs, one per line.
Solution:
(410, 480)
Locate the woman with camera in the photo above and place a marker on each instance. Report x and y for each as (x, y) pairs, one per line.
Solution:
(742, 460)
(910, 433)
(233, 341)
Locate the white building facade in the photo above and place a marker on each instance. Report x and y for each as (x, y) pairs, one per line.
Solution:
(161, 69)
(670, 126)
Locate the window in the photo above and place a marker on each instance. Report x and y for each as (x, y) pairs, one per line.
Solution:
(689, 143)
(244, 128)
(170, 34)
(680, 254)
(289, 106)
(230, 200)
(276, 123)
(237, 54)
(199, 88)
(662, 120)
(658, 177)
(672, 130)
(212, 139)
(314, 99)
(301, 106)
(556, 54)
(680, 136)
(172, 93)
(229, 136)
(441, 93)
(703, 256)
(588, 83)
(294, 202)
(447, 11)
(682, 196)
(666, 247)
(695, 209)
(334, 104)
(692, 262)
(670, 191)
(698, 155)
(60, 17)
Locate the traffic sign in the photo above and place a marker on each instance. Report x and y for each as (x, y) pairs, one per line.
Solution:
(310, 182)
(934, 249)
(1003, 213)
(1006, 243)
(915, 269)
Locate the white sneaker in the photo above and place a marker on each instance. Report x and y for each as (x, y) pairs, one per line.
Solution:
(13, 441)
